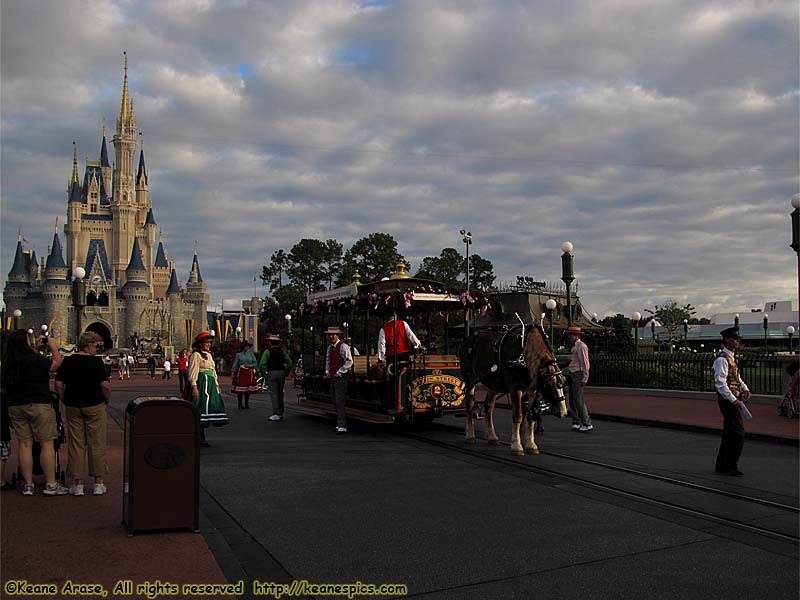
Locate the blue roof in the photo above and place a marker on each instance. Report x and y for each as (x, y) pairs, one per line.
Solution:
(56, 258)
(150, 220)
(173, 288)
(59, 281)
(196, 265)
(98, 248)
(20, 263)
(87, 176)
(104, 154)
(142, 168)
(75, 194)
(161, 257)
(136, 263)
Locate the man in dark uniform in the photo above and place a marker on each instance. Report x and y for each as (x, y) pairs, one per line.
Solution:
(731, 394)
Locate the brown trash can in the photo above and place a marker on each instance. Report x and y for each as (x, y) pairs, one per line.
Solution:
(161, 466)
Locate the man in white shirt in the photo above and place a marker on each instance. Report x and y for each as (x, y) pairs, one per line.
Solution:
(338, 363)
(396, 340)
(167, 369)
(579, 376)
(731, 394)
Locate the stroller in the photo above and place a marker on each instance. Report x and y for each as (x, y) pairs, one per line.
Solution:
(57, 443)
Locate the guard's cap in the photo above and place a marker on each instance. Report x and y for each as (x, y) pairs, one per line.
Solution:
(730, 333)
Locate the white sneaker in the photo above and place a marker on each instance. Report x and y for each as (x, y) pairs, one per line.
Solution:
(275, 418)
(576, 427)
(55, 489)
(76, 489)
(341, 430)
(27, 489)
(99, 489)
(585, 428)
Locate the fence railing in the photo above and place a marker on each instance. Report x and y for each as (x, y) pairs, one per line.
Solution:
(762, 374)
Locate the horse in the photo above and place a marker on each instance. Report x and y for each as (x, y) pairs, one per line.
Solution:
(508, 364)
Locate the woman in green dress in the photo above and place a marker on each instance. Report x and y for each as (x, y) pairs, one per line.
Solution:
(204, 385)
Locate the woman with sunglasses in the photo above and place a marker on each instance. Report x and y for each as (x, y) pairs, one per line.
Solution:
(204, 386)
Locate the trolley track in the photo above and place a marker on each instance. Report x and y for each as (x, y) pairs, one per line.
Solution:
(741, 503)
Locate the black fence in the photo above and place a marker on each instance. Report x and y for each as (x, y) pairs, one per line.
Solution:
(683, 371)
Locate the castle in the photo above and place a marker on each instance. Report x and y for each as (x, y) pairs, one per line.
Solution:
(132, 290)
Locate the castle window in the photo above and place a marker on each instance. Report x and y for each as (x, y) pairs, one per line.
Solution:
(91, 298)
(103, 300)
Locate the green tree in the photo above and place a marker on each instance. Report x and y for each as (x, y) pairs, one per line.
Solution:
(304, 262)
(272, 274)
(671, 316)
(446, 268)
(482, 273)
(620, 339)
(332, 265)
(374, 257)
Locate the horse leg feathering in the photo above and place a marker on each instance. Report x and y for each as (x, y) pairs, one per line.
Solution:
(489, 404)
(516, 446)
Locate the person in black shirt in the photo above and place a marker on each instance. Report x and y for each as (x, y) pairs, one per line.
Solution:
(26, 380)
(83, 387)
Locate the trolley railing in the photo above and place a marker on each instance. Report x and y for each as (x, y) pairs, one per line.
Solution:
(681, 371)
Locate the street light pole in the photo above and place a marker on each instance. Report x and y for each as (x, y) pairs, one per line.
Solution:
(78, 297)
(635, 317)
(790, 333)
(766, 331)
(685, 333)
(288, 318)
(653, 332)
(567, 275)
(795, 215)
(17, 315)
(467, 240)
(736, 321)
(550, 305)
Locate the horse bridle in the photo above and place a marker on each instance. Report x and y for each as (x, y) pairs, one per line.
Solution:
(551, 371)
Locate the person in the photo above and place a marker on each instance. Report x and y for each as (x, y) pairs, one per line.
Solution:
(578, 370)
(108, 365)
(131, 364)
(5, 441)
(167, 368)
(243, 381)
(151, 365)
(122, 366)
(395, 341)
(26, 381)
(204, 385)
(731, 394)
(85, 391)
(338, 362)
(183, 369)
(275, 363)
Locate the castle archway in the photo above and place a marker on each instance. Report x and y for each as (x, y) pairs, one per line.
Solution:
(103, 331)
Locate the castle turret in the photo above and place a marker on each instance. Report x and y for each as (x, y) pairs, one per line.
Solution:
(75, 201)
(136, 292)
(197, 293)
(142, 180)
(160, 271)
(175, 301)
(19, 279)
(56, 291)
(105, 166)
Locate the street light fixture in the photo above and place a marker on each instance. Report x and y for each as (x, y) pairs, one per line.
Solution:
(766, 331)
(346, 325)
(550, 306)
(736, 321)
(790, 333)
(17, 315)
(78, 297)
(636, 317)
(467, 239)
(238, 334)
(567, 275)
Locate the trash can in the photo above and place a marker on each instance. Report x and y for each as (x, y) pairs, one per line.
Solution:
(161, 467)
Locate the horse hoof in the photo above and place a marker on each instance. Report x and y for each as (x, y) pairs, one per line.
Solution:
(518, 452)
(531, 451)
(494, 442)
(469, 441)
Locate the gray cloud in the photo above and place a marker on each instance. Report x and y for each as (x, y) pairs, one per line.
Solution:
(661, 139)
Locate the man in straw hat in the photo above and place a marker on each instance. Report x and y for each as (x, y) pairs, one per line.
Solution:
(578, 369)
(731, 394)
(338, 362)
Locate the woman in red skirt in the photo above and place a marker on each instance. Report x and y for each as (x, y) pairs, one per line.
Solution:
(243, 371)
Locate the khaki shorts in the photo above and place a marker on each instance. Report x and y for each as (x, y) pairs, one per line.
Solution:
(34, 422)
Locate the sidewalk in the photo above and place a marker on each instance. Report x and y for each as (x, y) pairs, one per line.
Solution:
(53, 539)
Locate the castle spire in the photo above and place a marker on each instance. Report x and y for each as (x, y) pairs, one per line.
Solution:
(142, 167)
(123, 109)
(74, 164)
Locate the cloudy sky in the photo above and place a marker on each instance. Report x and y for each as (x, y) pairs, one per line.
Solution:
(660, 137)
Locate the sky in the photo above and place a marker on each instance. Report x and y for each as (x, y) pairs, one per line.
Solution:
(659, 137)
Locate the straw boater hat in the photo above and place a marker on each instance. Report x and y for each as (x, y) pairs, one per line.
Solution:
(273, 337)
(333, 329)
(575, 330)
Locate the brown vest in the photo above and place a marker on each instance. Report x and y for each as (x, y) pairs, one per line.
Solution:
(733, 376)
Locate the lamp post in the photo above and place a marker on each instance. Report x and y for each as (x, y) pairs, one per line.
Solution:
(635, 317)
(288, 318)
(766, 331)
(567, 276)
(17, 315)
(78, 297)
(467, 240)
(736, 321)
(346, 326)
(686, 333)
(790, 333)
(653, 332)
(238, 334)
(550, 305)
(795, 215)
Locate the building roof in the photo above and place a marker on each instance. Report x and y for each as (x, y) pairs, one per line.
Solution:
(97, 252)
(94, 171)
(56, 258)
(173, 288)
(20, 266)
(104, 153)
(136, 263)
(161, 257)
(150, 220)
